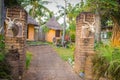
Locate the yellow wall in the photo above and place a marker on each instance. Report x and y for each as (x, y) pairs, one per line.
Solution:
(31, 32)
(50, 35)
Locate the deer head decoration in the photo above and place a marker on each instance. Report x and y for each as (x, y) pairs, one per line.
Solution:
(13, 25)
(91, 26)
(87, 28)
(10, 23)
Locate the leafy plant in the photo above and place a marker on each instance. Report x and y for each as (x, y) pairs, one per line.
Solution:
(28, 59)
(2, 56)
(106, 62)
(2, 44)
(5, 68)
(72, 36)
(45, 28)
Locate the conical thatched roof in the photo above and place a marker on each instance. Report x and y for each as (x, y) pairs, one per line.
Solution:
(53, 24)
(32, 21)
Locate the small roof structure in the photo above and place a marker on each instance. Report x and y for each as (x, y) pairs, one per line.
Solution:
(32, 21)
(53, 24)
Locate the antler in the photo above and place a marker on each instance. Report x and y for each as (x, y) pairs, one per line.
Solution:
(88, 22)
(85, 21)
(7, 16)
(93, 21)
(15, 19)
(91, 26)
(18, 18)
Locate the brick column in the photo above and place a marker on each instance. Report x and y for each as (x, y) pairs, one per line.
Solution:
(16, 44)
(84, 44)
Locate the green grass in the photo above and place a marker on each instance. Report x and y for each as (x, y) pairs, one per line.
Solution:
(28, 59)
(36, 42)
(64, 53)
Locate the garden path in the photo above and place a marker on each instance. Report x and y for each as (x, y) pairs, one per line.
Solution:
(47, 65)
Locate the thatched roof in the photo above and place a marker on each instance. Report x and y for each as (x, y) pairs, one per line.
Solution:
(53, 24)
(32, 21)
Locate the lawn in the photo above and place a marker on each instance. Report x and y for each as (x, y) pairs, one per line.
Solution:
(64, 53)
(37, 43)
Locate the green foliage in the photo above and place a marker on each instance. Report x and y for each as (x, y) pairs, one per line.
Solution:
(72, 36)
(107, 5)
(72, 26)
(2, 45)
(28, 59)
(2, 56)
(45, 29)
(2, 48)
(109, 8)
(5, 68)
(10, 3)
(106, 63)
(37, 9)
(71, 13)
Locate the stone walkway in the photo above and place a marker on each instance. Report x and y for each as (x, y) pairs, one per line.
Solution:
(47, 65)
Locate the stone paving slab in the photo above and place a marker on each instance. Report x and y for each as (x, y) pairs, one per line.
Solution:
(47, 65)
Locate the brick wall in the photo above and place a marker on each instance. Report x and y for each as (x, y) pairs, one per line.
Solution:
(16, 45)
(84, 45)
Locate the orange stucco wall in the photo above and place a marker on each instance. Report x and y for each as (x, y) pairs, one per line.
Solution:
(31, 32)
(50, 35)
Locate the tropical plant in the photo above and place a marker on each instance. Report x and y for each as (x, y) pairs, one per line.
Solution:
(37, 9)
(71, 12)
(106, 62)
(109, 8)
(2, 44)
(5, 68)
(28, 59)
(45, 29)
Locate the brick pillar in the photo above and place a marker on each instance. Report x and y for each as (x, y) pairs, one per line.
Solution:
(16, 44)
(84, 44)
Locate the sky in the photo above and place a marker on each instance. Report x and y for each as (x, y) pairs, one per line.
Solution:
(53, 5)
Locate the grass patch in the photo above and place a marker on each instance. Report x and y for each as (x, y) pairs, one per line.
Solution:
(28, 59)
(64, 53)
(37, 43)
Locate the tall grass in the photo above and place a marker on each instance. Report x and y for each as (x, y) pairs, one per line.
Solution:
(106, 62)
(28, 59)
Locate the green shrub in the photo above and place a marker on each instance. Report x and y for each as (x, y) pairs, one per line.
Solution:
(2, 56)
(28, 59)
(106, 62)
(5, 68)
(2, 44)
(72, 36)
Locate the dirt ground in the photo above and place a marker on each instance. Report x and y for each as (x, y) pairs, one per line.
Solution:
(47, 65)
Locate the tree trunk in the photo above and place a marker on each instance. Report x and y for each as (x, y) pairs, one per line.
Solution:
(115, 40)
(1, 16)
(98, 27)
(0, 12)
(64, 28)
